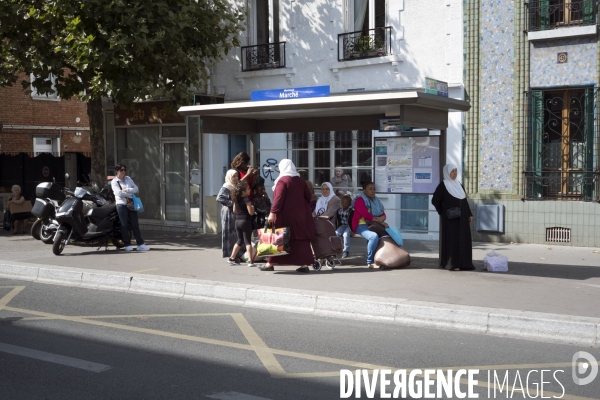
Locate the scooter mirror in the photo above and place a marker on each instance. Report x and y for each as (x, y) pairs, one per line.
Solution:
(66, 176)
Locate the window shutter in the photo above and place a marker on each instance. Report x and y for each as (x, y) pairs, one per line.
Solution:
(544, 11)
(588, 12)
(537, 139)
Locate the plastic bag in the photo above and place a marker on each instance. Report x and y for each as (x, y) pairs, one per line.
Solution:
(245, 256)
(137, 204)
(495, 262)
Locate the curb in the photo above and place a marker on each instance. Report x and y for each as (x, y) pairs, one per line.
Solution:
(494, 321)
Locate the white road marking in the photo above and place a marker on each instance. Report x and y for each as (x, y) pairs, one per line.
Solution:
(53, 358)
(235, 396)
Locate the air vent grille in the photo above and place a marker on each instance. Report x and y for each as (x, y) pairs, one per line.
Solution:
(558, 234)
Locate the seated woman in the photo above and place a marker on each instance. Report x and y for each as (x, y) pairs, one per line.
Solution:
(19, 208)
(367, 207)
(328, 204)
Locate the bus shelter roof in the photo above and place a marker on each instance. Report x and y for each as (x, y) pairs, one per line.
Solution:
(336, 112)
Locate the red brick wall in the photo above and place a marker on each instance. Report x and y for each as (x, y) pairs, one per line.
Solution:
(18, 108)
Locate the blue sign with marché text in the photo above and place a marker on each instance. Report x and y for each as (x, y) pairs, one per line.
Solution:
(290, 93)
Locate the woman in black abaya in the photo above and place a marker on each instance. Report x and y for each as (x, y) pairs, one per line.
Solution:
(456, 244)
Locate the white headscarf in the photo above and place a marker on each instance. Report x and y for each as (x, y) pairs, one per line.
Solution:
(322, 202)
(286, 168)
(452, 185)
(228, 183)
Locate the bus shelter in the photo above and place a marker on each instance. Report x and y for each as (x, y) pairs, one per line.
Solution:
(337, 112)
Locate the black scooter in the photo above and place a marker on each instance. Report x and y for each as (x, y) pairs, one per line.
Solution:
(49, 195)
(97, 228)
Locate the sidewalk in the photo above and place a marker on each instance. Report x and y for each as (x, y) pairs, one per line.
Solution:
(559, 280)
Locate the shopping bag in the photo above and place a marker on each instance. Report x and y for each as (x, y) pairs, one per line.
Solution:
(495, 262)
(395, 234)
(273, 242)
(7, 224)
(137, 204)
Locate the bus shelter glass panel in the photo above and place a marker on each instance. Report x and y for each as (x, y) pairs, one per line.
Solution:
(139, 149)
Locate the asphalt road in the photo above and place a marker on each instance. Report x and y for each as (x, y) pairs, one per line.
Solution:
(71, 343)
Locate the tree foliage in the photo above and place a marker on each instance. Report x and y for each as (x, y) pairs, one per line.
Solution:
(122, 49)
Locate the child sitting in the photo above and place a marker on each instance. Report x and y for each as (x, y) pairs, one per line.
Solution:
(344, 216)
(262, 206)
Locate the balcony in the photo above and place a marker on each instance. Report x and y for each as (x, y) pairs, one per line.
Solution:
(263, 56)
(365, 44)
(553, 14)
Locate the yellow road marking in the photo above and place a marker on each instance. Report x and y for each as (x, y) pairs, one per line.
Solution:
(260, 348)
(143, 270)
(8, 297)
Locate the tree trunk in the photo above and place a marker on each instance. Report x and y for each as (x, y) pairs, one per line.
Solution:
(94, 110)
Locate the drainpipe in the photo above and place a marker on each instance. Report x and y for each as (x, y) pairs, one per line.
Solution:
(208, 90)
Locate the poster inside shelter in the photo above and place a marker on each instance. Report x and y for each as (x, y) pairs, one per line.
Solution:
(407, 164)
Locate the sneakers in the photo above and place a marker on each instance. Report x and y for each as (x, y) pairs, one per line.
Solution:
(232, 261)
(128, 248)
(345, 254)
(251, 264)
(142, 247)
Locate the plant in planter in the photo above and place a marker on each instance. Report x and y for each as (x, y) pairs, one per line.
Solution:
(379, 46)
(364, 45)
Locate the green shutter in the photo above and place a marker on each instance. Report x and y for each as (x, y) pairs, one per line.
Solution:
(589, 141)
(537, 138)
(589, 16)
(544, 12)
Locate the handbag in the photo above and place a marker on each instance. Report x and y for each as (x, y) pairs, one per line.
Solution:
(7, 223)
(453, 213)
(377, 227)
(137, 204)
(273, 242)
(129, 200)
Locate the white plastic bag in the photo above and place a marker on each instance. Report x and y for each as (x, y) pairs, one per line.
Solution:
(495, 262)
(245, 256)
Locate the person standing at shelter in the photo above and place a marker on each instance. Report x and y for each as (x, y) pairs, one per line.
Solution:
(291, 208)
(246, 174)
(243, 210)
(124, 188)
(19, 208)
(450, 201)
(228, 232)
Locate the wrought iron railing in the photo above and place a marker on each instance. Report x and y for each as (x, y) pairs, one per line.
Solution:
(581, 185)
(365, 44)
(263, 56)
(551, 14)
(562, 145)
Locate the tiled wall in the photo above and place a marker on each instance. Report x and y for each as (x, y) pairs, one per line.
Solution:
(496, 91)
(580, 69)
(526, 221)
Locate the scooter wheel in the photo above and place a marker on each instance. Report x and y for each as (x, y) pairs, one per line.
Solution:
(36, 229)
(60, 241)
(46, 235)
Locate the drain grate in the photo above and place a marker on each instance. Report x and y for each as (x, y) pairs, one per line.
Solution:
(558, 234)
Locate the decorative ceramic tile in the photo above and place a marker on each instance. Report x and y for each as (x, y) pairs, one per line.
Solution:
(579, 69)
(496, 88)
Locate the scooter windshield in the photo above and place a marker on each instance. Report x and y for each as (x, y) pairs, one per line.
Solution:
(80, 192)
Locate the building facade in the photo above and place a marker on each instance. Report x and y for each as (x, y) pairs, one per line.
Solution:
(532, 71)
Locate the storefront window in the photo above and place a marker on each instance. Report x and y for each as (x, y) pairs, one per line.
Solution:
(194, 166)
(139, 149)
(411, 219)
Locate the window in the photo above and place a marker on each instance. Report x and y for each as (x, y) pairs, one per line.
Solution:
(562, 151)
(46, 145)
(34, 93)
(321, 153)
(267, 51)
(367, 34)
(550, 14)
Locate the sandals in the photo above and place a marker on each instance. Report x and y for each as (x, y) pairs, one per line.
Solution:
(373, 266)
(265, 268)
(304, 270)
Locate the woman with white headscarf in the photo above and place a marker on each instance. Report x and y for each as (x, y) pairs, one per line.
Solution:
(291, 208)
(328, 204)
(450, 201)
(229, 235)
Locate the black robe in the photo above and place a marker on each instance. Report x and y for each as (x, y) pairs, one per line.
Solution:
(456, 243)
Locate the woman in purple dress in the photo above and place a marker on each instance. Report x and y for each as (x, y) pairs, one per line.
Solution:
(291, 208)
